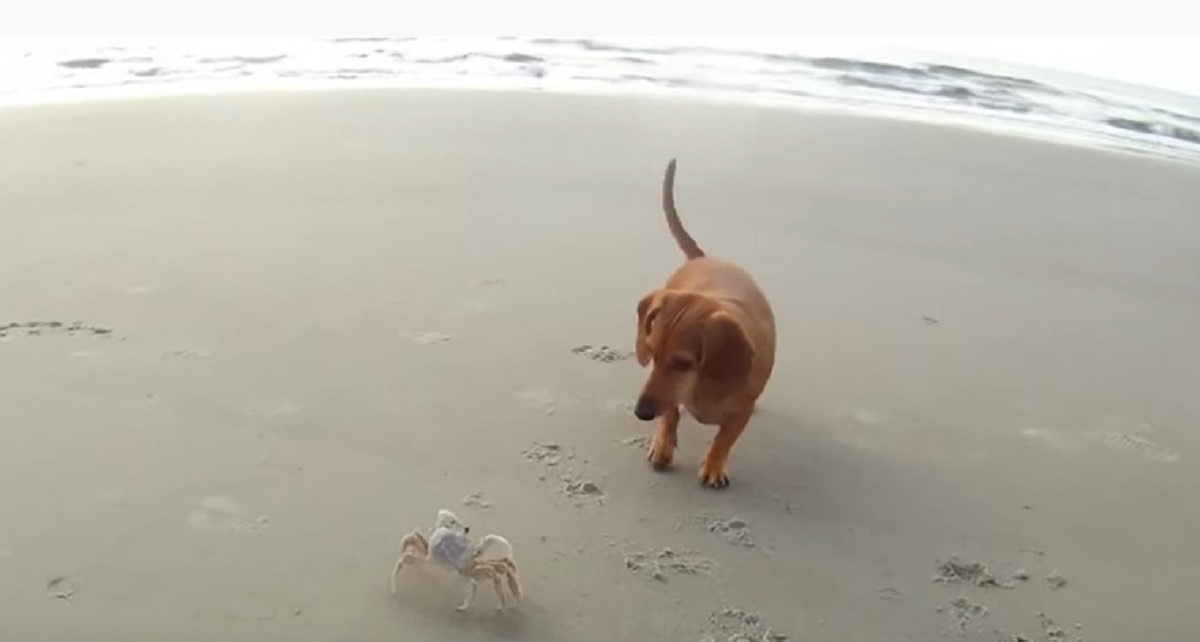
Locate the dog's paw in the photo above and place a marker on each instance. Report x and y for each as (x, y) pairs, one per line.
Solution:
(713, 476)
(660, 454)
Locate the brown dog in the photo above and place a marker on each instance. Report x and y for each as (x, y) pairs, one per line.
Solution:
(710, 333)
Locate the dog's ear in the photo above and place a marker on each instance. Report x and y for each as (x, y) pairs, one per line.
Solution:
(647, 309)
(726, 355)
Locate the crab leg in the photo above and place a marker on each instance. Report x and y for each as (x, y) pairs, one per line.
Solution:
(413, 550)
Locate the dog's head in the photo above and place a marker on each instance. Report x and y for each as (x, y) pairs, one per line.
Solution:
(447, 519)
(689, 342)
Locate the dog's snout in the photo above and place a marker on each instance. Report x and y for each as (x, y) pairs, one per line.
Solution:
(645, 409)
(466, 529)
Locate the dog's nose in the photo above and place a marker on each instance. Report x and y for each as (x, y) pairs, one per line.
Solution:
(645, 410)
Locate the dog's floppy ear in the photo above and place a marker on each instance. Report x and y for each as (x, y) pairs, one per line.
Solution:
(726, 355)
(647, 309)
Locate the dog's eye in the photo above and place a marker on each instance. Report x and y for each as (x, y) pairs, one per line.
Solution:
(683, 364)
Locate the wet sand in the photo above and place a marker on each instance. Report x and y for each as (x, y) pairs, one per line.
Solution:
(306, 321)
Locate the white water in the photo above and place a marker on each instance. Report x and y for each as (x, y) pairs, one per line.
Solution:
(811, 74)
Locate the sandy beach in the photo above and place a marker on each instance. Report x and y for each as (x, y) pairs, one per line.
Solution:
(258, 338)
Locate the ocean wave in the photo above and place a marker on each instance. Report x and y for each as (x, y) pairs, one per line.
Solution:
(37, 68)
(1152, 128)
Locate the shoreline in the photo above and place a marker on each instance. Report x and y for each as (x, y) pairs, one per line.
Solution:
(1053, 134)
(805, 74)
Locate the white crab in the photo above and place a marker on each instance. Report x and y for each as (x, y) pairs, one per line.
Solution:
(450, 546)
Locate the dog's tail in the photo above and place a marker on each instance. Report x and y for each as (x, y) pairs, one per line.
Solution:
(685, 240)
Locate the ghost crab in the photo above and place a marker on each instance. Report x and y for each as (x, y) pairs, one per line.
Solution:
(450, 546)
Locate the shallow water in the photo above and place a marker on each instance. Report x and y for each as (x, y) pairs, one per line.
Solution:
(793, 72)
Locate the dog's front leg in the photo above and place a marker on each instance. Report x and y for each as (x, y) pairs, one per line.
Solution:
(662, 447)
(472, 588)
(712, 467)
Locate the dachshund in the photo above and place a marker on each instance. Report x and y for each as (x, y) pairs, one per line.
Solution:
(708, 336)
